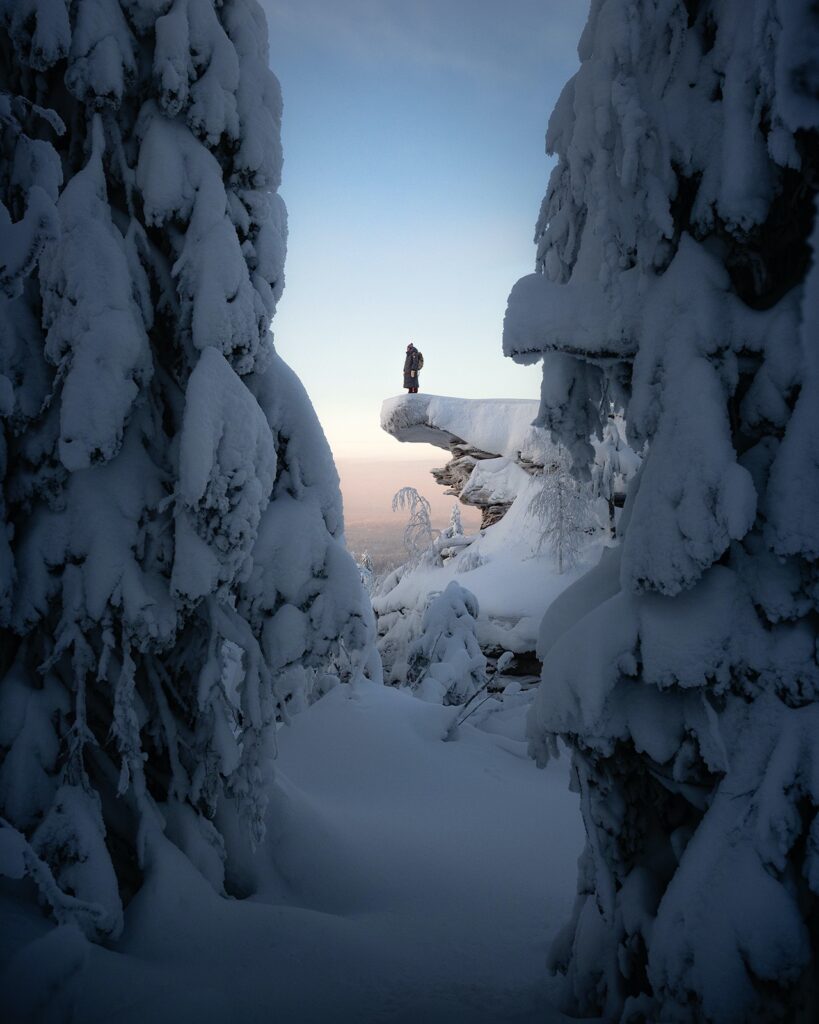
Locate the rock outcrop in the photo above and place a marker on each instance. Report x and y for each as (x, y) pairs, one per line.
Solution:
(494, 447)
(492, 444)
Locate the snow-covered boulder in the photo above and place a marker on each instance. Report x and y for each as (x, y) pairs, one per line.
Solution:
(492, 486)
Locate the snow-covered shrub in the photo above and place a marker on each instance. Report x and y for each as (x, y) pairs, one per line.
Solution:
(469, 560)
(445, 662)
(397, 626)
(171, 562)
(397, 629)
(678, 276)
(561, 509)
(400, 625)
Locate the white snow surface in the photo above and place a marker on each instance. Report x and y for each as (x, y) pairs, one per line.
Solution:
(498, 426)
(167, 495)
(404, 878)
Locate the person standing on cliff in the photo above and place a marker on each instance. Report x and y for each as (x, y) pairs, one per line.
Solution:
(412, 368)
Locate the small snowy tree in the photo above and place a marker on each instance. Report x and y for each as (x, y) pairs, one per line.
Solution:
(445, 661)
(172, 555)
(678, 273)
(455, 528)
(451, 540)
(561, 507)
(366, 571)
(418, 533)
(607, 468)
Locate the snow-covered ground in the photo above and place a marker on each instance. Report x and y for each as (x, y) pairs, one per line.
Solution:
(417, 880)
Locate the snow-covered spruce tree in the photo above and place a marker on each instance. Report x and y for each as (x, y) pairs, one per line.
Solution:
(451, 541)
(678, 275)
(171, 551)
(366, 571)
(445, 662)
(607, 469)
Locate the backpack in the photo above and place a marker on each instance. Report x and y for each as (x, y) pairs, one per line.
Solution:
(420, 361)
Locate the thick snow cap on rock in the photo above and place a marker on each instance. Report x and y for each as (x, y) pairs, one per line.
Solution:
(497, 426)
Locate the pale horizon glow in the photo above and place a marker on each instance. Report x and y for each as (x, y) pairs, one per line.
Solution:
(413, 173)
(369, 485)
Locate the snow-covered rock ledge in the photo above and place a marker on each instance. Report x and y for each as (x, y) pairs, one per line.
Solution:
(498, 463)
(494, 446)
(491, 426)
(492, 443)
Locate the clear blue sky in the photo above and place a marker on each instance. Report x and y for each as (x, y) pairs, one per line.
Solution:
(413, 172)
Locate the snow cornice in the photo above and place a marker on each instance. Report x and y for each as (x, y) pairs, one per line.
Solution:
(491, 427)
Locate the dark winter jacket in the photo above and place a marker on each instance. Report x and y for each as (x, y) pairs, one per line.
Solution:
(414, 361)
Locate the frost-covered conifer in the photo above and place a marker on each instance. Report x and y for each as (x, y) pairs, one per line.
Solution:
(451, 540)
(418, 533)
(561, 509)
(445, 662)
(171, 559)
(608, 468)
(456, 526)
(678, 276)
(366, 571)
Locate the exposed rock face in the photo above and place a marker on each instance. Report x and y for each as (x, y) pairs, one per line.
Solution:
(457, 476)
(493, 514)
